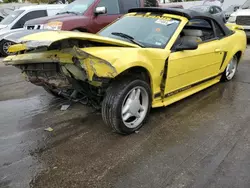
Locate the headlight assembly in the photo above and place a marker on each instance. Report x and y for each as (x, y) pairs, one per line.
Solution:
(53, 25)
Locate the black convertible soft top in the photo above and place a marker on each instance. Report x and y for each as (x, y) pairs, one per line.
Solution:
(189, 14)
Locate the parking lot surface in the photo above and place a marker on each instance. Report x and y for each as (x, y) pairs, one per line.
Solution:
(202, 141)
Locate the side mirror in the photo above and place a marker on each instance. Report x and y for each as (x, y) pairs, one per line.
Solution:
(186, 45)
(100, 10)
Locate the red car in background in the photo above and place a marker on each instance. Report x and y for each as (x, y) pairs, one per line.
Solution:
(87, 15)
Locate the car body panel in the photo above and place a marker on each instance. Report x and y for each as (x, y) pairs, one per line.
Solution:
(203, 63)
(49, 37)
(173, 75)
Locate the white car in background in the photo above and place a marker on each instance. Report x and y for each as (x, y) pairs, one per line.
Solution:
(16, 20)
(242, 17)
(7, 8)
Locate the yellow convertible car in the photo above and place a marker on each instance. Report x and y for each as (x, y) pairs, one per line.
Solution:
(151, 57)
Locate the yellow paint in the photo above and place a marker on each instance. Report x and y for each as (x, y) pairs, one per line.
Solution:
(17, 48)
(234, 26)
(191, 91)
(184, 68)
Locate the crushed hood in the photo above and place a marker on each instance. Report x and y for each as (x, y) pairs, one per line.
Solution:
(46, 38)
(92, 62)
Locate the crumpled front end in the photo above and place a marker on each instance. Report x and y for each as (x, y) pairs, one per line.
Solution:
(65, 68)
(73, 63)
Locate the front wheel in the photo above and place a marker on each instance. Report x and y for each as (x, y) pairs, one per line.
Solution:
(230, 70)
(4, 46)
(126, 105)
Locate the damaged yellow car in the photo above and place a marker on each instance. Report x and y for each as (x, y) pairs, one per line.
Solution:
(150, 57)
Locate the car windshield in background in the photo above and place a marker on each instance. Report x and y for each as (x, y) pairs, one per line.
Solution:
(246, 5)
(77, 7)
(11, 17)
(231, 8)
(200, 8)
(147, 32)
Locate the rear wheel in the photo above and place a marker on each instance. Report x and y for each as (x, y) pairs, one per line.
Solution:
(230, 70)
(127, 105)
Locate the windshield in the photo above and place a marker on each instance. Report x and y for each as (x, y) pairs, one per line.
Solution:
(148, 31)
(200, 8)
(246, 5)
(231, 8)
(11, 17)
(77, 7)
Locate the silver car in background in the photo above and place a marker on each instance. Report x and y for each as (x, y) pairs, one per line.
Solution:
(211, 9)
(15, 21)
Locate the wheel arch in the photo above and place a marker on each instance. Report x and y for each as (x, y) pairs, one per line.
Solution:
(239, 55)
(80, 29)
(139, 71)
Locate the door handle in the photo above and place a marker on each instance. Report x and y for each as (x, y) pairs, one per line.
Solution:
(217, 50)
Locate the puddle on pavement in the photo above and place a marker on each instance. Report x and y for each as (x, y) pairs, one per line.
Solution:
(18, 137)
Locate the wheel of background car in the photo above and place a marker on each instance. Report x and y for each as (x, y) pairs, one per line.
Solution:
(126, 105)
(4, 46)
(230, 70)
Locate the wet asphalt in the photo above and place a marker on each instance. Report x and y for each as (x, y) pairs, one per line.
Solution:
(202, 141)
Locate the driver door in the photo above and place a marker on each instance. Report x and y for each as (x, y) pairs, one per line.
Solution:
(191, 67)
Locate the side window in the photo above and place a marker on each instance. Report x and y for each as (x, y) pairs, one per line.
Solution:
(52, 12)
(29, 16)
(112, 6)
(218, 10)
(128, 4)
(199, 29)
(218, 30)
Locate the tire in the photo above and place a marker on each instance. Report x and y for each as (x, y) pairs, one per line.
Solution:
(230, 70)
(124, 93)
(3, 47)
